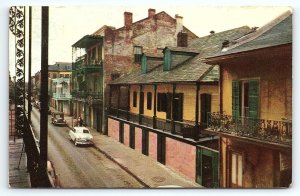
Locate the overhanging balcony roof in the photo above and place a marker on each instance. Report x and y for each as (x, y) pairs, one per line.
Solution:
(88, 41)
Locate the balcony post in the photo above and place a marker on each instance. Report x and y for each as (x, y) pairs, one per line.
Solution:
(109, 98)
(197, 130)
(118, 99)
(172, 110)
(154, 107)
(140, 105)
(29, 65)
(128, 103)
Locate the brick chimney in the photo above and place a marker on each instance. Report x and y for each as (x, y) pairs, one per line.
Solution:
(127, 19)
(179, 23)
(151, 13)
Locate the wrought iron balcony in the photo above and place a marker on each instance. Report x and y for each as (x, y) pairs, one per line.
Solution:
(183, 129)
(85, 94)
(279, 132)
(82, 64)
(62, 96)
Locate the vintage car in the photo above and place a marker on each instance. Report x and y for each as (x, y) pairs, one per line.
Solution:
(58, 119)
(81, 135)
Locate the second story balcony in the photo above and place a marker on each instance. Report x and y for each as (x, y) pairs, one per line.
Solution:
(258, 130)
(87, 94)
(62, 96)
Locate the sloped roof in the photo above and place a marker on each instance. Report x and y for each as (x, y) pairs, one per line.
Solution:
(277, 32)
(60, 66)
(192, 70)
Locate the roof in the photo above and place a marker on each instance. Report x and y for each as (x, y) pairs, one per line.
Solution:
(192, 69)
(275, 33)
(87, 41)
(60, 66)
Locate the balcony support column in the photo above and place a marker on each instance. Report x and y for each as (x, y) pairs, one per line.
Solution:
(109, 98)
(118, 99)
(154, 107)
(197, 127)
(173, 109)
(128, 102)
(140, 104)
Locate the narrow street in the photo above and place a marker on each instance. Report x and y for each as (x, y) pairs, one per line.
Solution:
(82, 166)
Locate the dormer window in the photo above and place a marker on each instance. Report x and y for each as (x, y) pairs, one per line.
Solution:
(138, 51)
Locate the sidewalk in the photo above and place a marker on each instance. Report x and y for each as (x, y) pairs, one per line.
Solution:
(147, 171)
(18, 175)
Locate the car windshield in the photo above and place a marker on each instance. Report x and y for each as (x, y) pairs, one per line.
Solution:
(85, 131)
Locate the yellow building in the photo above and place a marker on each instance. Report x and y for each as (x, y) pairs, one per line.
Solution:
(255, 119)
(161, 109)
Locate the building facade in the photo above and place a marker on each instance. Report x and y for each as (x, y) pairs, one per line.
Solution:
(255, 119)
(59, 76)
(166, 107)
(110, 53)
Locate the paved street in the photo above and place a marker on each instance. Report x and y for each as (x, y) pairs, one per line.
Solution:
(81, 166)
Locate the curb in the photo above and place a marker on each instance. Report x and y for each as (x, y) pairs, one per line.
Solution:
(123, 167)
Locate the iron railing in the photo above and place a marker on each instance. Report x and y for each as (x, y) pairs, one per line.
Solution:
(84, 94)
(62, 96)
(186, 130)
(261, 129)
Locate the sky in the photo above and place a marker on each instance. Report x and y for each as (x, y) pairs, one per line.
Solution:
(67, 24)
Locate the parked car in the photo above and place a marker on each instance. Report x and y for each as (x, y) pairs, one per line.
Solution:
(81, 135)
(58, 119)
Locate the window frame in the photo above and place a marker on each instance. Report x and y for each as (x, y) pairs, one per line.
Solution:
(149, 100)
(134, 99)
(137, 56)
(162, 101)
(237, 152)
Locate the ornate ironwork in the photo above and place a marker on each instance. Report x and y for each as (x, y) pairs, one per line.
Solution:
(265, 130)
(17, 27)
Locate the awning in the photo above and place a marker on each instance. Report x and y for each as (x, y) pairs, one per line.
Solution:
(88, 41)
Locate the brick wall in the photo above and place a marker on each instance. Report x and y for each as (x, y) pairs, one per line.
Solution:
(126, 134)
(138, 139)
(113, 129)
(153, 145)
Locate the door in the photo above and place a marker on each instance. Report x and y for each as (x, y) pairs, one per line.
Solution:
(178, 107)
(207, 168)
(205, 107)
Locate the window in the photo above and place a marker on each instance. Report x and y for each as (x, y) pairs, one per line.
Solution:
(138, 51)
(149, 101)
(54, 75)
(162, 102)
(236, 169)
(61, 75)
(134, 99)
(67, 75)
(114, 76)
(245, 98)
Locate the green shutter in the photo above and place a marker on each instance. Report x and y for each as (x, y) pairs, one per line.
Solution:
(144, 64)
(235, 99)
(167, 60)
(253, 99)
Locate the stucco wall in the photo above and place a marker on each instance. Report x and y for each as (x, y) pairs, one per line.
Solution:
(153, 145)
(126, 134)
(275, 75)
(138, 139)
(181, 157)
(113, 129)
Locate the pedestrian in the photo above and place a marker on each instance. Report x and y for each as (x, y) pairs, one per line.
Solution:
(80, 121)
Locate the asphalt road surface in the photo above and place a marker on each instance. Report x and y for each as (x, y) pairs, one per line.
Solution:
(81, 167)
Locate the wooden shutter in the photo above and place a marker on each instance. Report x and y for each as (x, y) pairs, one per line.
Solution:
(253, 99)
(167, 60)
(144, 64)
(235, 99)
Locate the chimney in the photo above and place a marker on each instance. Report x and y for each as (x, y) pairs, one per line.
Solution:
(179, 23)
(127, 19)
(151, 13)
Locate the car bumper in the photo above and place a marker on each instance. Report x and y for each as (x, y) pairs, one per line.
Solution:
(87, 142)
(60, 124)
